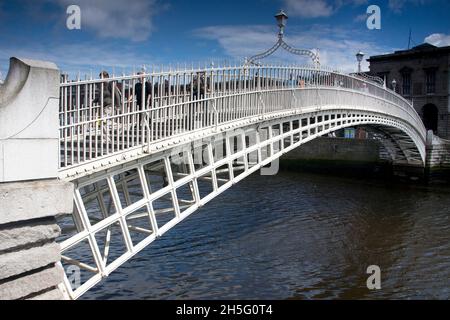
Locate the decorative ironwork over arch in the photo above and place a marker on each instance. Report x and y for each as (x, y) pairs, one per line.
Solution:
(281, 20)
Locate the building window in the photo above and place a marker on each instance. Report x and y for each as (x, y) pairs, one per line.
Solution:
(406, 84)
(431, 81)
(384, 76)
(430, 116)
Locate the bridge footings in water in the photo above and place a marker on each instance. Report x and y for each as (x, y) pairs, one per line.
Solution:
(438, 159)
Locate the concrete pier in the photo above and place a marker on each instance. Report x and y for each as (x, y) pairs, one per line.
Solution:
(31, 196)
(28, 229)
(438, 158)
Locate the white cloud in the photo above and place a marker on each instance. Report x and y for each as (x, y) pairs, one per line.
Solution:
(309, 9)
(131, 20)
(361, 17)
(84, 58)
(337, 47)
(317, 8)
(123, 19)
(438, 39)
(398, 5)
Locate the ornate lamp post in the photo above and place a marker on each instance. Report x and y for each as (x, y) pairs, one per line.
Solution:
(282, 21)
(282, 18)
(394, 85)
(359, 58)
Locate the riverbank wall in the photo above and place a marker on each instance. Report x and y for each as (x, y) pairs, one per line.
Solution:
(367, 158)
(338, 156)
(438, 159)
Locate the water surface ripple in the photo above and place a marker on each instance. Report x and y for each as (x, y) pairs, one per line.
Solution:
(298, 236)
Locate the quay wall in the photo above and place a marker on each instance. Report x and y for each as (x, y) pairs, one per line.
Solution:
(438, 159)
(340, 155)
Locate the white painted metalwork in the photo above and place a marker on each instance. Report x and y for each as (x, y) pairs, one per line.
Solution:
(142, 165)
(124, 209)
(370, 78)
(96, 132)
(281, 20)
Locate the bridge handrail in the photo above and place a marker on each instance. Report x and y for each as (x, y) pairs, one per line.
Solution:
(212, 97)
(100, 117)
(367, 80)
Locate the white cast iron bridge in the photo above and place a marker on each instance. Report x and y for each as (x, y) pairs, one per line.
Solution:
(146, 151)
(141, 165)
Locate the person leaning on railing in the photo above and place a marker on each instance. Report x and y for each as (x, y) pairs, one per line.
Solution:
(201, 88)
(301, 83)
(110, 89)
(138, 90)
(142, 90)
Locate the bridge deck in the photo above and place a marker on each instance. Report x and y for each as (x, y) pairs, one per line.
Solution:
(104, 117)
(140, 171)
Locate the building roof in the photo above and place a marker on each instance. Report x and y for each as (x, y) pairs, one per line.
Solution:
(420, 50)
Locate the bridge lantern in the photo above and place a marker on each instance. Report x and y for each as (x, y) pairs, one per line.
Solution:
(281, 21)
(359, 58)
(394, 85)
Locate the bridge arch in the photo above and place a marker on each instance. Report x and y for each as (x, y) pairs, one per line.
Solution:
(148, 174)
(132, 205)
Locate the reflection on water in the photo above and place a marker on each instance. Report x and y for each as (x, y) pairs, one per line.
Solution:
(298, 236)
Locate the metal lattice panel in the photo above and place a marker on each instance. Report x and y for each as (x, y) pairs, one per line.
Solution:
(141, 169)
(122, 210)
(186, 104)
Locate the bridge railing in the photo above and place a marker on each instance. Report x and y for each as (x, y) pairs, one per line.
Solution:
(103, 117)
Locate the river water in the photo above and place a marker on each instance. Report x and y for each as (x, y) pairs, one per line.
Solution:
(298, 236)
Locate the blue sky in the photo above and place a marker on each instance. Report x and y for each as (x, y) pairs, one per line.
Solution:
(127, 34)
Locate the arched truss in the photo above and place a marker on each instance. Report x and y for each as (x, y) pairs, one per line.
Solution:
(121, 210)
(281, 43)
(400, 148)
(92, 140)
(366, 76)
(138, 173)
